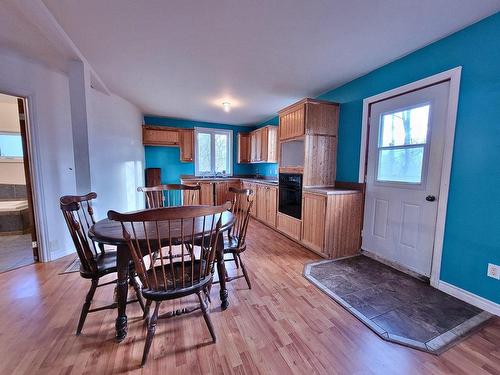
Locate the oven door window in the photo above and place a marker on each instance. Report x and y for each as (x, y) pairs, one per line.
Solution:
(290, 202)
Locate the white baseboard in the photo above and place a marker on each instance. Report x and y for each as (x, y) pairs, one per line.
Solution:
(473, 299)
(60, 254)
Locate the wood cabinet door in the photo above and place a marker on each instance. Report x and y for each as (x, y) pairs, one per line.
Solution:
(263, 135)
(207, 193)
(289, 225)
(244, 148)
(292, 123)
(271, 198)
(190, 197)
(249, 185)
(187, 144)
(258, 145)
(272, 144)
(156, 136)
(253, 145)
(221, 192)
(261, 202)
(313, 218)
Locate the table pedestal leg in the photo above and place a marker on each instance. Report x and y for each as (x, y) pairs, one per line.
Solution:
(122, 265)
(221, 271)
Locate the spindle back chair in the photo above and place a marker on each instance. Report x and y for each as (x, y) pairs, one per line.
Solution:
(235, 244)
(95, 262)
(195, 229)
(168, 195)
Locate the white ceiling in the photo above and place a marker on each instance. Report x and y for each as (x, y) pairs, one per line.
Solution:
(183, 58)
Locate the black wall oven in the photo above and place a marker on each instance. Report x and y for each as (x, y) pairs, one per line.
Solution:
(290, 194)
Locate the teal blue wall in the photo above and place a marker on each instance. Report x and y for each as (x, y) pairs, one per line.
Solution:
(168, 158)
(472, 234)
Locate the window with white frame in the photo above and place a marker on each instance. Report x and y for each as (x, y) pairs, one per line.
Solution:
(213, 152)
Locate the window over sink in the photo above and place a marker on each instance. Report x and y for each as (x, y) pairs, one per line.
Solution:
(213, 152)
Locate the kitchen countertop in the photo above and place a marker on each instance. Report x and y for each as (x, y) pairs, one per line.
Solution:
(232, 178)
(329, 190)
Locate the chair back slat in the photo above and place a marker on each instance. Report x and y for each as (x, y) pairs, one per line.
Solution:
(169, 195)
(79, 217)
(240, 207)
(192, 231)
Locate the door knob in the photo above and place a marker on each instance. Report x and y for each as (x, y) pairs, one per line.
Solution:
(430, 198)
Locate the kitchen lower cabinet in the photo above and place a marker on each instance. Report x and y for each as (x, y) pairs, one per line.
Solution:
(313, 217)
(253, 187)
(332, 223)
(289, 225)
(207, 193)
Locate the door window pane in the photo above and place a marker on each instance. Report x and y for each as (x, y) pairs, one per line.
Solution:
(221, 153)
(401, 165)
(408, 127)
(204, 152)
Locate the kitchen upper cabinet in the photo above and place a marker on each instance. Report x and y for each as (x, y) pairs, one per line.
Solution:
(244, 148)
(187, 144)
(264, 145)
(165, 136)
(160, 136)
(309, 116)
(313, 219)
(292, 123)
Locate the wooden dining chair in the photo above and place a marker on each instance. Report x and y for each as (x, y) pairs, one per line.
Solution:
(168, 195)
(235, 243)
(95, 262)
(196, 230)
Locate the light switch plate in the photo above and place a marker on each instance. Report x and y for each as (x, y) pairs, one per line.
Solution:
(493, 271)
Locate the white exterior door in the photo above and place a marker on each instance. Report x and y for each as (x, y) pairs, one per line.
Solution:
(405, 154)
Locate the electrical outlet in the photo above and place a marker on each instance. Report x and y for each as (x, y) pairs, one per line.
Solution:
(493, 271)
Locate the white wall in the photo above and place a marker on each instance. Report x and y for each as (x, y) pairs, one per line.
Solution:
(116, 153)
(48, 104)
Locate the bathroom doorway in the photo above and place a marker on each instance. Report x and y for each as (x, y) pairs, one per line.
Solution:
(18, 243)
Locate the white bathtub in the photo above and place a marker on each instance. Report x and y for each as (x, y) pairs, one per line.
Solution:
(10, 206)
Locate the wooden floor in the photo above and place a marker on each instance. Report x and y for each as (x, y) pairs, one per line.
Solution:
(283, 325)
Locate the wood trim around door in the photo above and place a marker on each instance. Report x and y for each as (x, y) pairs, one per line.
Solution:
(27, 172)
(453, 76)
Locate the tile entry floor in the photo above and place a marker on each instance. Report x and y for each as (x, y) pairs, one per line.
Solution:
(15, 251)
(396, 306)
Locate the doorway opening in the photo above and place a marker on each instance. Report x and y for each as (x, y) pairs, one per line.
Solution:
(18, 240)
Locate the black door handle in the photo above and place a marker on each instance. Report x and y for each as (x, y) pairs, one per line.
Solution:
(430, 198)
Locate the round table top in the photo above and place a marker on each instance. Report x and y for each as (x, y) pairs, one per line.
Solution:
(110, 232)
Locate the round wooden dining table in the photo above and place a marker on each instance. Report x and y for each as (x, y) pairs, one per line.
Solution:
(110, 232)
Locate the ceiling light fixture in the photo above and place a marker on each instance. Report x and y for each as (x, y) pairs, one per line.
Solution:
(227, 106)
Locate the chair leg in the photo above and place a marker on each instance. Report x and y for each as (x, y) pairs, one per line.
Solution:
(245, 273)
(146, 309)
(236, 262)
(151, 333)
(86, 305)
(137, 289)
(207, 293)
(206, 316)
